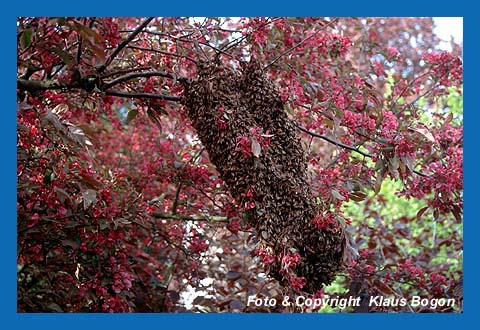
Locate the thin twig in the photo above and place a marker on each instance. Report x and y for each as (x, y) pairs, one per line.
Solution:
(163, 52)
(211, 199)
(175, 201)
(338, 156)
(124, 71)
(406, 87)
(145, 95)
(300, 43)
(420, 173)
(417, 98)
(413, 82)
(326, 138)
(213, 218)
(237, 41)
(346, 146)
(79, 51)
(123, 44)
(185, 38)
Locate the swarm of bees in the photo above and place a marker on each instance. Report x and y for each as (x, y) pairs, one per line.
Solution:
(284, 206)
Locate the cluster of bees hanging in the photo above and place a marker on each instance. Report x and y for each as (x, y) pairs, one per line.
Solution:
(284, 206)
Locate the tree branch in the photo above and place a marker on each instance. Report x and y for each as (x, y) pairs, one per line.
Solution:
(124, 71)
(184, 38)
(346, 146)
(42, 85)
(237, 41)
(326, 138)
(163, 52)
(123, 44)
(128, 77)
(213, 218)
(175, 202)
(145, 95)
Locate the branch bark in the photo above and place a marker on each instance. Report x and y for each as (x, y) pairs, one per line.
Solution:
(213, 218)
(125, 71)
(326, 138)
(131, 76)
(346, 146)
(42, 85)
(123, 44)
(145, 95)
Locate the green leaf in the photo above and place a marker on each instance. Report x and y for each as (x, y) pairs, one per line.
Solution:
(358, 196)
(457, 213)
(421, 212)
(71, 224)
(26, 38)
(91, 36)
(153, 117)
(131, 115)
(48, 176)
(378, 183)
(66, 58)
(95, 40)
(103, 225)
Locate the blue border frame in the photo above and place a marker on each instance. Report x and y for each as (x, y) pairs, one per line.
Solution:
(224, 8)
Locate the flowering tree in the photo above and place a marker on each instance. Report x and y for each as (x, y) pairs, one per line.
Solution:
(169, 164)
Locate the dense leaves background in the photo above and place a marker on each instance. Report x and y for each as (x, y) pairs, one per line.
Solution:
(119, 208)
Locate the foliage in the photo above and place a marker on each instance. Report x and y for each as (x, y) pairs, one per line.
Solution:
(120, 209)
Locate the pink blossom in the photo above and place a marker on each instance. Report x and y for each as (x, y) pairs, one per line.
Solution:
(392, 52)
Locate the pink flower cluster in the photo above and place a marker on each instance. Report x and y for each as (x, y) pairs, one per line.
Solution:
(446, 67)
(290, 260)
(438, 282)
(244, 143)
(410, 268)
(325, 221)
(389, 125)
(392, 52)
(298, 283)
(249, 198)
(197, 244)
(332, 44)
(221, 120)
(122, 281)
(267, 257)
(355, 120)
